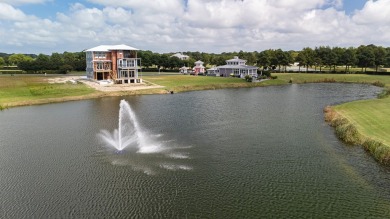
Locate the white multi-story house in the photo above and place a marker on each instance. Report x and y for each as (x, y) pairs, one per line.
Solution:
(116, 62)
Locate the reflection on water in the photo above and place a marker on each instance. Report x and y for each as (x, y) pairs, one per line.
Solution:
(167, 157)
(135, 147)
(235, 153)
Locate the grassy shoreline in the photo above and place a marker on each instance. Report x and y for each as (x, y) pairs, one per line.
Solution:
(359, 122)
(351, 132)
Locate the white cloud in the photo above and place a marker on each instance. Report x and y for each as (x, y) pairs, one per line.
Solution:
(198, 25)
(8, 12)
(374, 12)
(24, 2)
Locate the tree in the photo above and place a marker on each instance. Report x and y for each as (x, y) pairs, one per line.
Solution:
(2, 62)
(65, 68)
(251, 58)
(329, 57)
(174, 62)
(365, 56)
(55, 61)
(337, 53)
(264, 58)
(163, 61)
(69, 59)
(206, 58)
(317, 58)
(306, 58)
(380, 57)
(387, 57)
(277, 58)
(218, 60)
(80, 62)
(43, 62)
(349, 58)
(146, 58)
(14, 59)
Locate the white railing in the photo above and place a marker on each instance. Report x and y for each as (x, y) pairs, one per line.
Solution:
(128, 63)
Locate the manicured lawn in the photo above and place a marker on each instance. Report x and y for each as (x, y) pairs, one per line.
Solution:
(20, 88)
(180, 83)
(349, 78)
(371, 117)
(171, 81)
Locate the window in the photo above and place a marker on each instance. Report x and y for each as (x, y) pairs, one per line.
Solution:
(100, 55)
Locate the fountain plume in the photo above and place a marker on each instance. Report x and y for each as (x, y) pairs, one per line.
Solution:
(129, 134)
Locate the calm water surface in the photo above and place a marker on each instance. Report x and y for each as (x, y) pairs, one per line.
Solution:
(235, 153)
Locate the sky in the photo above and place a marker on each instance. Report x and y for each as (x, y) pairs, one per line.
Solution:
(212, 26)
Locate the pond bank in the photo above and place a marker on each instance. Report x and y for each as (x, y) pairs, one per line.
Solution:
(350, 134)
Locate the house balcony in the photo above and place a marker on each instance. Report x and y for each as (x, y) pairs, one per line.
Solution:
(129, 63)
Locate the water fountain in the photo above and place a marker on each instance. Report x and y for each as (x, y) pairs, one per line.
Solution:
(143, 146)
(129, 134)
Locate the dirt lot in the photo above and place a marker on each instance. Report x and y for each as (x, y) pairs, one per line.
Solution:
(104, 87)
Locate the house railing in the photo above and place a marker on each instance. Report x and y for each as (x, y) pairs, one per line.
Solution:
(128, 63)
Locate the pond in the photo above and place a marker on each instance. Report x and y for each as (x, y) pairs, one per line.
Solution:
(232, 153)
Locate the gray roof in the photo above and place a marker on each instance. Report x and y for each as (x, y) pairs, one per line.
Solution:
(238, 66)
(236, 60)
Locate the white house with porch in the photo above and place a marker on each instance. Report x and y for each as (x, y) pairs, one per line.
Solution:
(236, 67)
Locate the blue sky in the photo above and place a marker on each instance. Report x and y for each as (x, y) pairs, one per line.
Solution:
(351, 5)
(46, 26)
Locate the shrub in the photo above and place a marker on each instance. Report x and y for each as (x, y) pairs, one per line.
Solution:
(267, 73)
(348, 133)
(3, 107)
(385, 93)
(378, 84)
(338, 121)
(248, 78)
(380, 151)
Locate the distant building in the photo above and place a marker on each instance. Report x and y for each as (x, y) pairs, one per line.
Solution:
(199, 68)
(214, 71)
(113, 62)
(236, 67)
(180, 56)
(184, 70)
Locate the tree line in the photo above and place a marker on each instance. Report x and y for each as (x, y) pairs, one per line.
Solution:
(319, 58)
(324, 56)
(54, 63)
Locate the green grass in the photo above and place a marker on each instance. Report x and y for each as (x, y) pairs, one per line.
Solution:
(300, 78)
(179, 83)
(371, 117)
(19, 88)
(189, 80)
